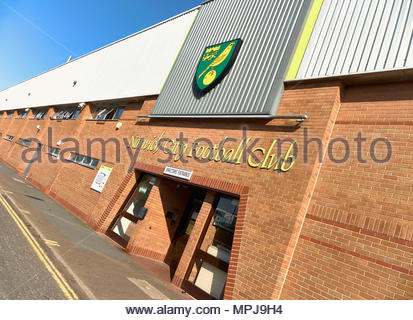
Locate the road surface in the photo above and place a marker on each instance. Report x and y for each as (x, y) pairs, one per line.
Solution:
(23, 275)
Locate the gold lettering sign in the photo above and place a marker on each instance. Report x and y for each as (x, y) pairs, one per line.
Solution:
(258, 157)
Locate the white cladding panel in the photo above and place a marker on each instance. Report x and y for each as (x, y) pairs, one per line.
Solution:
(135, 66)
(359, 36)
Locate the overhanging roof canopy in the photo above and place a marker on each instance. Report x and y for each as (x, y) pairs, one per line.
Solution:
(131, 67)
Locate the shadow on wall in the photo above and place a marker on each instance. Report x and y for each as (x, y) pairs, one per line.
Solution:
(378, 92)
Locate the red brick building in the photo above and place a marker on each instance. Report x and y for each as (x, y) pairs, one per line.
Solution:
(311, 201)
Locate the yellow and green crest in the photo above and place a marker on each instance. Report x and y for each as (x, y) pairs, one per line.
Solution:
(215, 63)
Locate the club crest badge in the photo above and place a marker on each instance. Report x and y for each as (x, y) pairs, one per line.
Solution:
(215, 63)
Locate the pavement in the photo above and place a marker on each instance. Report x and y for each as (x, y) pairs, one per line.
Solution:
(89, 264)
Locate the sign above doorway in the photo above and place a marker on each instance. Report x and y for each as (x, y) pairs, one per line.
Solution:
(178, 173)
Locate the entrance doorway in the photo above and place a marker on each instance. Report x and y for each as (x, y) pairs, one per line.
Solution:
(208, 271)
(174, 208)
(122, 227)
(184, 229)
(174, 205)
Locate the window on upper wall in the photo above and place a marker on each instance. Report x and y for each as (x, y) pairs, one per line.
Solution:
(9, 114)
(107, 113)
(70, 113)
(53, 151)
(9, 137)
(21, 114)
(83, 160)
(39, 114)
(24, 142)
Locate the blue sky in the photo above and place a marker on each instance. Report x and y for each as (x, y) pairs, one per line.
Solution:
(37, 35)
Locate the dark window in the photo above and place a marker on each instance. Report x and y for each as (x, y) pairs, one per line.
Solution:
(9, 138)
(76, 114)
(83, 160)
(66, 114)
(39, 115)
(53, 151)
(21, 114)
(226, 213)
(108, 113)
(24, 142)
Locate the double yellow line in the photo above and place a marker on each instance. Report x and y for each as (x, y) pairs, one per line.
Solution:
(57, 276)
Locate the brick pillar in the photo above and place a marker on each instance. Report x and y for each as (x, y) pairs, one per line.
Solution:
(16, 137)
(80, 123)
(305, 203)
(236, 244)
(102, 223)
(195, 239)
(3, 142)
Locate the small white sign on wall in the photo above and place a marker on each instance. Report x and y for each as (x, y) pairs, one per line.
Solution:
(101, 178)
(178, 173)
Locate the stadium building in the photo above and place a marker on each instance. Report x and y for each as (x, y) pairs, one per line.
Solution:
(262, 149)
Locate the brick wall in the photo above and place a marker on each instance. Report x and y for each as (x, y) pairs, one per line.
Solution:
(156, 231)
(295, 228)
(19, 156)
(357, 239)
(9, 126)
(277, 201)
(44, 172)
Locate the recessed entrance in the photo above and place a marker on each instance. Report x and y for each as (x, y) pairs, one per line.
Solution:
(134, 210)
(159, 216)
(173, 205)
(207, 274)
(184, 229)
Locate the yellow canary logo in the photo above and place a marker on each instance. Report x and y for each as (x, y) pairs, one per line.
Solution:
(215, 62)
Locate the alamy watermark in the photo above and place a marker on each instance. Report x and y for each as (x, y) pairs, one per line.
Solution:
(248, 149)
